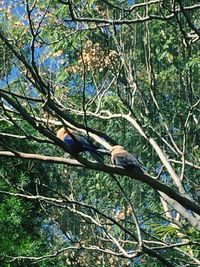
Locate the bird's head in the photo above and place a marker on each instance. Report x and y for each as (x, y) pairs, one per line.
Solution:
(117, 149)
(62, 132)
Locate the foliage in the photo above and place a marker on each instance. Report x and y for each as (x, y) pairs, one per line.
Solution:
(123, 73)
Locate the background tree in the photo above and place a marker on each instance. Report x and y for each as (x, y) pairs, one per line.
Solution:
(118, 73)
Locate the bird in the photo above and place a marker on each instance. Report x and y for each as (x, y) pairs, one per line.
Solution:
(120, 157)
(76, 143)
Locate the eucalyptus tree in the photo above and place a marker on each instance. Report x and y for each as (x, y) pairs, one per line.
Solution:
(118, 73)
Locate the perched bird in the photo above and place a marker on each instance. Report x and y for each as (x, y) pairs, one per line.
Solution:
(75, 142)
(120, 157)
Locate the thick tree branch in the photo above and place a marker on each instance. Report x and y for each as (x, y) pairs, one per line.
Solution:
(135, 174)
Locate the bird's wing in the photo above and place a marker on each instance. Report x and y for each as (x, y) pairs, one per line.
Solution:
(86, 143)
(126, 159)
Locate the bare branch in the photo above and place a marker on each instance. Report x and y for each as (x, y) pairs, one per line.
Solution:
(108, 22)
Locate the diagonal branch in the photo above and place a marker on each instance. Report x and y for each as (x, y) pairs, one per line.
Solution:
(135, 174)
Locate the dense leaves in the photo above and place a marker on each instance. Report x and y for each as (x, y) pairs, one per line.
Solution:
(129, 73)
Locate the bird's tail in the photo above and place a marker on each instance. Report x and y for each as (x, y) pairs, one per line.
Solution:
(97, 156)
